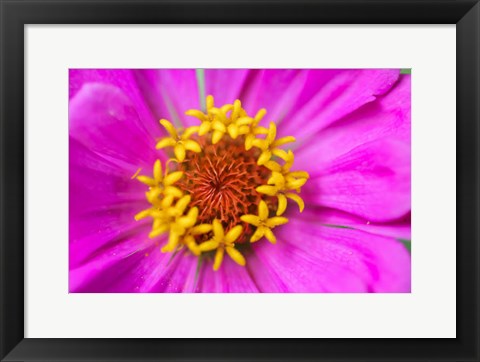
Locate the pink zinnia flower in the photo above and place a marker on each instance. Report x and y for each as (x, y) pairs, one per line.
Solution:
(217, 198)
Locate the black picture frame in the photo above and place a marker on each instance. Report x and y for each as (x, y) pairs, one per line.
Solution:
(15, 14)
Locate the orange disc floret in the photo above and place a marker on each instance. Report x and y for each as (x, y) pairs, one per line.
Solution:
(222, 181)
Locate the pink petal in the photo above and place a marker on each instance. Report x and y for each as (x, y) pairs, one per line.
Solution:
(170, 93)
(342, 94)
(107, 246)
(276, 90)
(388, 116)
(267, 278)
(125, 81)
(144, 270)
(103, 200)
(177, 273)
(104, 120)
(371, 181)
(121, 265)
(288, 269)
(230, 278)
(312, 258)
(398, 229)
(315, 80)
(225, 84)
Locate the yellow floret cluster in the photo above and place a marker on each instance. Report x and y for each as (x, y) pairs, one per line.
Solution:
(169, 204)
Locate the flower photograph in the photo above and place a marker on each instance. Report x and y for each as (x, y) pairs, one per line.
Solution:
(239, 180)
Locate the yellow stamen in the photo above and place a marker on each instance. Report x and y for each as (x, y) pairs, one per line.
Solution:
(173, 177)
(270, 146)
(297, 199)
(189, 238)
(166, 217)
(157, 171)
(166, 142)
(236, 256)
(254, 130)
(209, 245)
(275, 191)
(215, 119)
(192, 146)
(147, 180)
(263, 223)
(282, 204)
(161, 184)
(217, 136)
(233, 130)
(178, 223)
(179, 151)
(268, 190)
(170, 128)
(220, 116)
(143, 214)
(285, 169)
(180, 143)
(299, 174)
(222, 241)
(282, 181)
(218, 258)
(174, 191)
(171, 208)
(197, 114)
(204, 128)
(163, 228)
(264, 157)
(237, 110)
(210, 102)
(192, 245)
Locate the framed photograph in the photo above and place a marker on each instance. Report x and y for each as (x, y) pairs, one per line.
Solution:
(240, 180)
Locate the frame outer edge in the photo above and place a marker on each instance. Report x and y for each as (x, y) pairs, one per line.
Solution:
(468, 182)
(11, 111)
(12, 177)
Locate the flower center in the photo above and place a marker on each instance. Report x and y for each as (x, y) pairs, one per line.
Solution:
(222, 181)
(230, 184)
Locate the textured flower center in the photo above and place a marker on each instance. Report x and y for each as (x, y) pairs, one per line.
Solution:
(229, 184)
(222, 181)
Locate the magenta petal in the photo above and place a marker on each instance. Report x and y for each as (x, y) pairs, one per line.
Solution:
(341, 95)
(315, 80)
(276, 90)
(124, 80)
(135, 265)
(176, 274)
(124, 268)
(371, 181)
(107, 246)
(398, 229)
(225, 85)
(388, 116)
(230, 278)
(309, 257)
(286, 268)
(103, 200)
(104, 120)
(170, 93)
(267, 278)
(128, 247)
